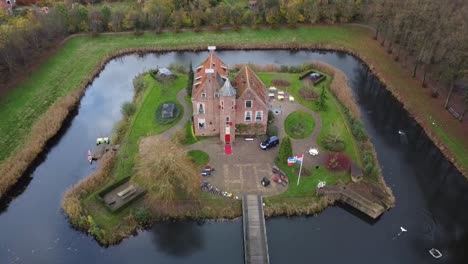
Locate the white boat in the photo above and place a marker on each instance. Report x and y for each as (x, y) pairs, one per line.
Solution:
(435, 253)
(90, 157)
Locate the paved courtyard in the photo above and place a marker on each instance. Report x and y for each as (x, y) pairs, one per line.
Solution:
(242, 171)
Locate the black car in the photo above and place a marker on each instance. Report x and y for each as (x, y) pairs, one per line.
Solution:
(269, 142)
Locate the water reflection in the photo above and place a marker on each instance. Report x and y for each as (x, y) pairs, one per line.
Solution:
(431, 195)
(178, 238)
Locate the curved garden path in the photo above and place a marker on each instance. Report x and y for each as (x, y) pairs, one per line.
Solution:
(187, 114)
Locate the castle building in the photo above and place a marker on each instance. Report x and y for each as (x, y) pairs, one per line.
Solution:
(224, 108)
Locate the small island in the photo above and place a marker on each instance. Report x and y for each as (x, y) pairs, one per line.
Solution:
(189, 148)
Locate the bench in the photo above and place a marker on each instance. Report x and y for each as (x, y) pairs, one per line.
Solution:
(454, 113)
(126, 192)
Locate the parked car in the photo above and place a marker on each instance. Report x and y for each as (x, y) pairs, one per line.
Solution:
(269, 143)
(207, 170)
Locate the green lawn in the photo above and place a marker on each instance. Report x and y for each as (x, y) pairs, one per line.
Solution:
(199, 157)
(333, 119)
(189, 134)
(57, 76)
(308, 184)
(299, 124)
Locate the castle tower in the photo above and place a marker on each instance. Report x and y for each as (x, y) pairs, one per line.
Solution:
(227, 112)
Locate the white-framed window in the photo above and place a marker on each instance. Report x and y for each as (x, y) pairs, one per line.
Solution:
(217, 95)
(201, 108)
(201, 123)
(198, 78)
(222, 104)
(248, 103)
(227, 120)
(258, 116)
(203, 95)
(248, 116)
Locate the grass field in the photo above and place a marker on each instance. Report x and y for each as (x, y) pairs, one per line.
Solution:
(57, 76)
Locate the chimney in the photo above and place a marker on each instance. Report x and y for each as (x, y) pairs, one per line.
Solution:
(211, 49)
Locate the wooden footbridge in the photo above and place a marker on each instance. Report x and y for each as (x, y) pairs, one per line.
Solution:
(255, 240)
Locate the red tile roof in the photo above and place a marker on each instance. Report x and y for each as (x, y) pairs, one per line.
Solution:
(212, 62)
(247, 79)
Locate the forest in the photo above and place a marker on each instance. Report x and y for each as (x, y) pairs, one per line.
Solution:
(428, 36)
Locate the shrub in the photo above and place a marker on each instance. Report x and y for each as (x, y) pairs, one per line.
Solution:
(271, 117)
(272, 130)
(308, 94)
(333, 143)
(285, 151)
(322, 101)
(143, 216)
(128, 109)
(179, 68)
(139, 84)
(358, 130)
(337, 161)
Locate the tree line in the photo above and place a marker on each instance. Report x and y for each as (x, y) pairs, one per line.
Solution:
(24, 36)
(433, 33)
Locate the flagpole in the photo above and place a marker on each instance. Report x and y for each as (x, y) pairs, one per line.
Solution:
(300, 169)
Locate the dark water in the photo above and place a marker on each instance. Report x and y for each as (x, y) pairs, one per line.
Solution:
(431, 196)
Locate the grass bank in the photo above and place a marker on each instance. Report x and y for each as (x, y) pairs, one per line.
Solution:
(24, 108)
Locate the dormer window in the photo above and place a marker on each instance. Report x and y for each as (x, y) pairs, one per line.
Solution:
(214, 64)
(248, 104)
(216, 95)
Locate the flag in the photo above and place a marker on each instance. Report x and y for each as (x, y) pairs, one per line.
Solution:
(291, 161)
(299, 158)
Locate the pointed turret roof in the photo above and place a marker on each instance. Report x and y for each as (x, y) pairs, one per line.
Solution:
(227, 89)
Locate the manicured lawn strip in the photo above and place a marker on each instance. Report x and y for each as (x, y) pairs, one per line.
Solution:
(332, 118)
(58, 76)
(299, 124)
(189, 138)
(199, 157)
(143, 122)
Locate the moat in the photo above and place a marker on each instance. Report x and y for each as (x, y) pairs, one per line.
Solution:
(429, 191)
